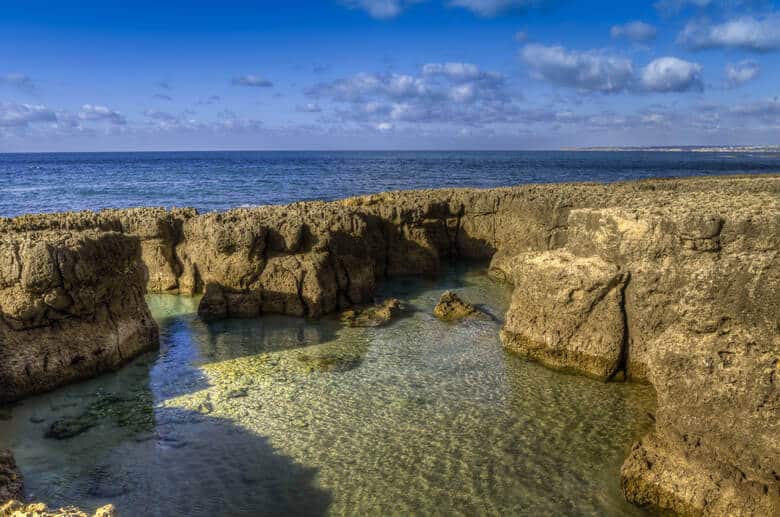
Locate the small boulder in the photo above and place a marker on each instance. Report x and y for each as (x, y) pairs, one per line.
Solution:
(372, 315)
(452, 308)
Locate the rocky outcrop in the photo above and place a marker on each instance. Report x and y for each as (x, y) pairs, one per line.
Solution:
(10, 478)
(71, 306)
(680, 289)
(670, 281)
(451, 307)
(372, 315)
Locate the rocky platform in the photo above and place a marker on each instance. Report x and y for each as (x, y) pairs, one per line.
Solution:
(674, 282)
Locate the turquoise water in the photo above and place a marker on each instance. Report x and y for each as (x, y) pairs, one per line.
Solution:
(280, 415)
(55, 182)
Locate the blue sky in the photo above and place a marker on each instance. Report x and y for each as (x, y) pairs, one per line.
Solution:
(387, 74)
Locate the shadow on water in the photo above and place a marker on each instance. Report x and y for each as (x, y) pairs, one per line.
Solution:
(116, 445)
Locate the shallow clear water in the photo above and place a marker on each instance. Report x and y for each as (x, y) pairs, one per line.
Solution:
(54, 182)
(280, 415)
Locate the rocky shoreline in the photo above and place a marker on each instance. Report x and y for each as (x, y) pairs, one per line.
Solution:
(673, 282)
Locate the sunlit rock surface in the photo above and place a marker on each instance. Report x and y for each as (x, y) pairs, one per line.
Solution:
(670, 281)
(451, 308)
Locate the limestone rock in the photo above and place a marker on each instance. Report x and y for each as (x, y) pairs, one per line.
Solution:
(10, 478)
(72, 306)
(18, 509)
(451, 308)
(372, 315)
(567, 312)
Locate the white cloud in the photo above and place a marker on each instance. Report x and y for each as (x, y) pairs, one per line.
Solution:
(489, 8)
(381, 9)
(309, 107)
(635, 31)
(587, 71)
(252, 80)
(742, 72)
(95, 113)
(759, 34)
(22, 115)
(670, 74)
(457, 93)
(597, 71)
(387, 9)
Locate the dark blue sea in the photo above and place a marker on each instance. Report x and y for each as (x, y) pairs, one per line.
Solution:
(220, 180)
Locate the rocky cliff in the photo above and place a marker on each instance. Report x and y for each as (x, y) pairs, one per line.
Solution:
(71, 306)
(670, 281)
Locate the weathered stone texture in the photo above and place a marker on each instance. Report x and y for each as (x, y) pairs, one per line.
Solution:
(670, 281)
(71, 305)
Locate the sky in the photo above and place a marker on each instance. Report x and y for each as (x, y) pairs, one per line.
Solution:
(387, 74)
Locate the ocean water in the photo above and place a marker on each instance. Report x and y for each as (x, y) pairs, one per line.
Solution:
(221, 180)
(285, 416)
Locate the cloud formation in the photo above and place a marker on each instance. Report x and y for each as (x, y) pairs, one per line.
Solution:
(600, 72)
(454, 93)
(489, 8)
(95, 113)
(637, 31)
(387, 9)
(756, 34)
(252, 81)
(670, 74)
(309, 107)
(588, 71)
(22, 115)
(742, 72)
(381, 9)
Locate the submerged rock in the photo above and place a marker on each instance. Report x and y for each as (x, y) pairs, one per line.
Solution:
(451, 308)
(10, 477)
(372, 315)
(134, 413)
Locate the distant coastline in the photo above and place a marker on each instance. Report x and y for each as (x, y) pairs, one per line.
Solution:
(685, 149)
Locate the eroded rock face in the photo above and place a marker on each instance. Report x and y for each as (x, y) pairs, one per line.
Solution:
(10, 478)
(696, 278)
(71, 306)
(670, 281)
(567, 311)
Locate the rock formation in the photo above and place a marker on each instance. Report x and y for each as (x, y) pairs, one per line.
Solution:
(451, 308)
(670, 281)
(19, 509)
(71, 306)
(10, 478)
(372, 315)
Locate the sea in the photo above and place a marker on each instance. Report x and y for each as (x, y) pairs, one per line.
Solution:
(54, 182)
